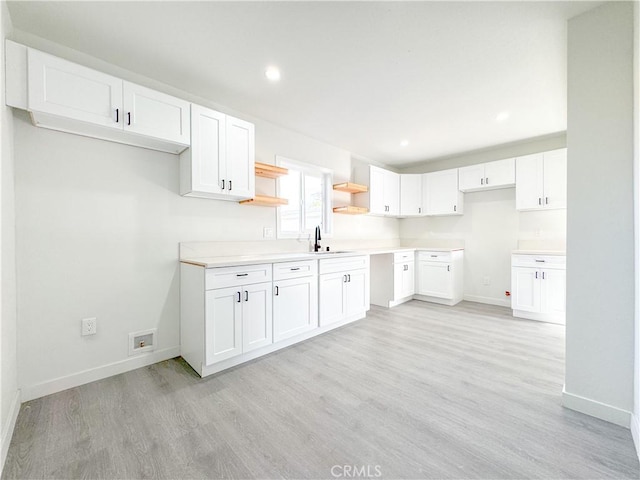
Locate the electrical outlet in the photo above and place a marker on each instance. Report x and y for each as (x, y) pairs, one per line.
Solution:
(89, 326)
(267, 232)
(486, 281)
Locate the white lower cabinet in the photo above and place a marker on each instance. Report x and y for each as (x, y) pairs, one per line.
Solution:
(440, 276)
(394, 275)
(237, 320)
(295, 299)
(538, 287)
(344, 289)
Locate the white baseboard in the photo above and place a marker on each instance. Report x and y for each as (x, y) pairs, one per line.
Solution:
(56, 385)
(488, 300)
(635, 431)
(7, 430)
(596, 409)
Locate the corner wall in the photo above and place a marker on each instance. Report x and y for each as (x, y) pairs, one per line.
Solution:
(635, 418)
(600, 236)
(9, 397)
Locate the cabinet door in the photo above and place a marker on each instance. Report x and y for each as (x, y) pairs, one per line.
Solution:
(257, 325)
(392, 193)
(529, 181)
(356, 292)
(377, 203)
(442, 194)
(410, 195)
(240, 155)
(553, 291)
(525, 289)
(435, 280)
(403, 280)
(63, 88)
(295, 307)
(500, 173)
(208, 150)
(156, 114)
(223, 324)
(332, 302)
(555, 179)
(471, 178)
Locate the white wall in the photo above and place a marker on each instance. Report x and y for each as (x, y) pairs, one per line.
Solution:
(490, 227)
(600, 242)
(9, 398)
(98, 226)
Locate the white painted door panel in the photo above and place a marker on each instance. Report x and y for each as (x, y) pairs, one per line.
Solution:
(442, 194)
(155, 114)
(500, 173)
(376, 191)
(555, 179)
(435, 280)
(356, 292)
(223, 324)
(392, 193)
(295, 307)
(553, 291)
(529, 182)
(257, 314)
(525, 289)
(410, 194)
(63, 88)
(471, 177)
(332, 301)
(240, 172)
(208, 149)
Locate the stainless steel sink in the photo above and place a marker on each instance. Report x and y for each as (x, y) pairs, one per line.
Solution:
(331, 252)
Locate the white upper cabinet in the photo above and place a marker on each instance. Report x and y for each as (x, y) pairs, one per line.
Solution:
(541, 180)
(410, 195)
(155, 114)
(383, 197)
(488, 176)
(440, 193)
(221, 161)
(65, 96)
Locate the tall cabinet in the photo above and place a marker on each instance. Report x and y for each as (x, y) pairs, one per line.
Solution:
(541, 181)
(383, 197)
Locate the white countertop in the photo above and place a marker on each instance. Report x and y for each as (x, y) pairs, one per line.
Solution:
(539, 252)
(235, 260)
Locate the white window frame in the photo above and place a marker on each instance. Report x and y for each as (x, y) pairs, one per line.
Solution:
(327, 210)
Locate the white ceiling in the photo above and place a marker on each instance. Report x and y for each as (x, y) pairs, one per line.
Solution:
(359, 75)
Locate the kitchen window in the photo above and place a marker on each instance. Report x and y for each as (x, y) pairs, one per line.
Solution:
(308, 190)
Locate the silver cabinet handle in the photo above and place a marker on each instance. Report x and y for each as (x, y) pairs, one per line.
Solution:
(448, 268)
(277, 291)
(540, 261)
(539, 201)
(482, 181)
(349, 277)
(242, 274)
(486, 181)
(543, 275)
(223, 184)
(344, 279)
(294, 269)
(239, 297)
(536, 275)
(246, 295)
(419, 209)
(230, 185)
(117, 115)
(546, 200)
(128, 118)
(454, 208)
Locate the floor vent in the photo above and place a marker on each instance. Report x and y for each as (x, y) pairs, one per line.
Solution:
(144, 341)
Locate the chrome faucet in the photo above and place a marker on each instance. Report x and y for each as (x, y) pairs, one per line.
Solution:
(316, 245)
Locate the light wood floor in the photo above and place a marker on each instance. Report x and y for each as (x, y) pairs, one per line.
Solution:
(419, 391)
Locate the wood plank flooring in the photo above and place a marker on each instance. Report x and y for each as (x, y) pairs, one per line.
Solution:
(419, 391)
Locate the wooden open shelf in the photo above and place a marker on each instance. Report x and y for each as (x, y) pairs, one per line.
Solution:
(350, 187)
(269, 171)
(265, 201)
(351, 210)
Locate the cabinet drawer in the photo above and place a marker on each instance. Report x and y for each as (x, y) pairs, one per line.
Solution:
(286, 270)
(431, 256)
(231, 276)
(335, 265)
(540, 261)
(403, 257)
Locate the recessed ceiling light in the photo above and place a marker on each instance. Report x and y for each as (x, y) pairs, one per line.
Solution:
(502, 116)
(272, 73)
(404, 143)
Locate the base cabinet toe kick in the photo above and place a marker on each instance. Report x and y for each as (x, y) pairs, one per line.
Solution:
(230, 315)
